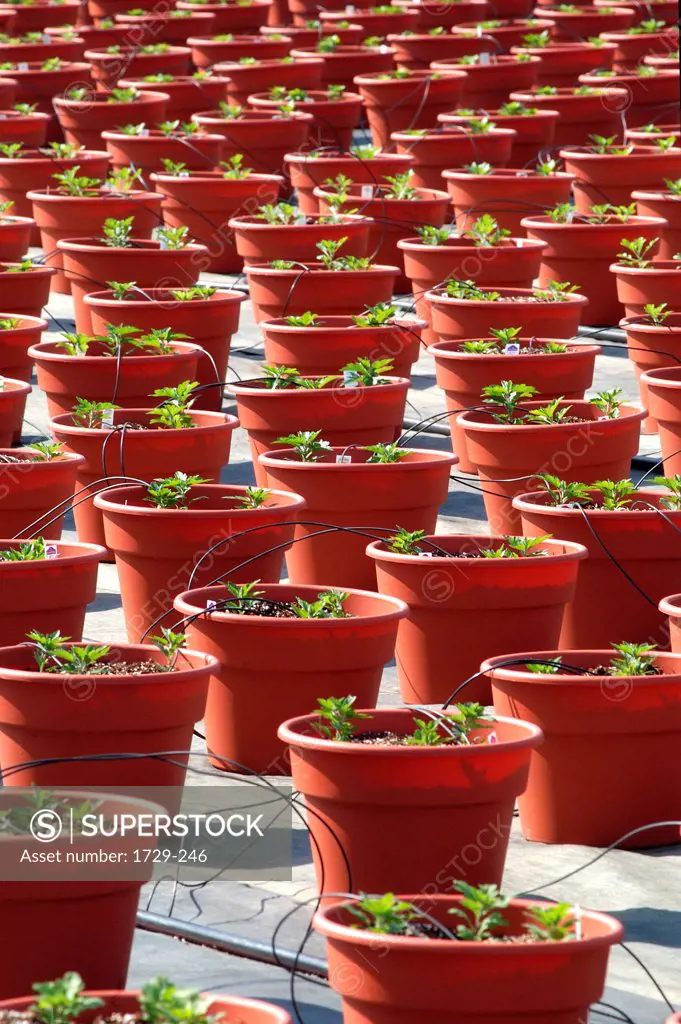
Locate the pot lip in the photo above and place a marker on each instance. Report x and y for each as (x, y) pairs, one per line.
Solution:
(267, 62)
(671, 605)
(288, 732)
(144, 87)
(216, 419)
(260, 117)
(213, 177)
(456, 174)
(434, 134)
(315, 98)
(205, 661)
(137, 195)
(574, 552)
(345, 157)
(617, 35)
(16, 115)
(9, 220)
(112, 501)
(664, 73)
(517, 674)
(511, 25)
(90, 244)
(524, 503)
(146, 99)
(657, 377)
(543, 112)
(356, 50)
(134, 19)
(546, 223)
(64, 457)
(154, 137)
(37, 69)
(659, 195)
(30, 324)
(323, 922)
(565, 92)
(265, 270)
(44, 351)
(450, 350)
(374, 78)
(95, 54)
(574, 298)
(83, 553)
(228, 297)
(16, 388)
(502, 60)
(241, 388)
(278, 325)
(628, 411)
(249, 223)
(415, 244)
(276, 1015)
(630, 323)
(393, 607)
(658, 267)
(280, 458)
(433, 195)
(641, 154)
(236, 40)
(591, 9)
(87, 154)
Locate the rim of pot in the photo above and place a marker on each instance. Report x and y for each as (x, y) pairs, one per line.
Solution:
(215, 419)
(452, 349)
(75, 552)
(377, 550)
(537, 501)
(628, 411)
(136, 651)
(102, 298)
(282, 457)
(113, 500)
(517, 673)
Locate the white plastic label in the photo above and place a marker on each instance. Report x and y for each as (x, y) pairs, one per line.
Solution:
(22, 65)
(478, 30)
(2, 383)
(340, 459)
(350, 379)
(367, 192)
(485, 58)
(108, 418)
(350, 9)
(211, 606)
(51, 551)
(512, 349)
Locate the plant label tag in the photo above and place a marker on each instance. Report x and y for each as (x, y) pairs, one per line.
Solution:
(350, 8)
(478, 30)
(22, 65)
(211, 606)
(164, 242)
(367, 192)
(570, 216)
(350, 379)
(341, 459)
(512, 349)
(50, 551)
(300, 218)
(2, 383)
(485, 58)
(108, 418)
(384, 48)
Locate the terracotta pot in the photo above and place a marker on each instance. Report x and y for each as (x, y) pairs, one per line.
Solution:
(165, 25)
(257, 241)
(308, 171)
(210, 322)
(13, 395)
(88, 265)
(260, 677)
(418, 50)
(33, 170)
(563, 62)
(664, 395)
(24, 292)
(37, 86)
(15, 237)
(488, 84)
(127, 382)
(581, 253)
(23, 50)
(202, 450)
(83, 121)
(146, 152)
(356, 494)
(47, 594)
(210, 50)
(157, 550)
(232, 17)
(666, 205)
(552, 980)
(452, 794)
(263, 137)
(248, 79)
(333, 120)
(474, 604)
(60, 216)
(635, 719)
(638, 286)
(131, 62)
(651, 98)
(29, 129)
(30, 489)
(644, 544)
(47, 716)
(513, 263)
(375, 22)
(15, 342)
(351, 417)
(631, 49)
(186, 93)
(534, 132)
(608, 178)
(33, 17)
(340, 65)
(588, 21)
(436, 151)
(248, 1011)
(435, 15)
(652, 346)
(398, 105)
(462, 376)
(593, 449)
(275, 293)
(580, 116)
(508, 194)
(328, 344)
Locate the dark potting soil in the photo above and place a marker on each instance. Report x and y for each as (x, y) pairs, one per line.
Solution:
(269, 609)
(606, 670)
(122, 668)
(384, 739)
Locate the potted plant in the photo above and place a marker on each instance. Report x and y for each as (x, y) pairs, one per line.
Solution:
(94, 37)
(454, 14)
(663, 388)
(581, 248)
(505, 193)
(186, 93)
(248, 75)
(638, 41)
(165, 26)
(33, 15)
(664, 203)
(34, 481)
(39, 81)
(340, 60)
(145, 149)
(489, 79)
(377, 21)
(24, 287)
(210, 317)
(311, 29)
(401, 100)
(484, 252)
(608, 172)
(265, 135)
(455, 583)
(555, 967)
(642, 282)
(256, 631)
(35, 46)
(364, 165)
(418, 49)
(464, 368)
(158, 531)
(625, 530)
(335, 111)
(452, 777)
(563, 61)
(46, 585)
(121, 61)
(578, 440)
(653, 342)
(17, 334)
(652, 92)
(362, 403)
(670, 606)
(505, 33)
(90, 262)
(629, 695)
(205, 201)
(231, 16)
(24, 127)
(15, 234)
(584, 111)
(379, 485)
(156, 442)
(587, 20)
(12, 402)
(436, 151)
(535, 128)
(280, 232)
(83, 116)
(209, 50)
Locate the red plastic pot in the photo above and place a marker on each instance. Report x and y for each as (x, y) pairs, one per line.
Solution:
(670, 606)
(350, 34)
(186, 94)
(631, 49)
(307, 171)
(248, 79)
(264, 135)
(588, 21)
(360, 495)
(38, 86)
(147, 152)
(506, 193)
(202, 450)
(24, 292)
(12, 401)
(247, 1011)
(210, 50)
(164, 25)
(652, 346)
(158, 550)
(563, 62)
(333, 120)
(418, 50)
(664, 395)
(15, 237)
(504, 32)
(488, 84)
(462, 376)
(89, 264)
(275, 293)
(446, 15)
(506, 982)
(651, 98)
(596, 449)
(132, 62)
(29, 129)
(638, 286)
(340, 65)
(232, 17)
(257, 241)
(598, 113)
(15, 342)
(644, 544)
(534, 132)
(46, 716)
(593, 793)
(30, 489)
(351, 417)
(401, 104)
(361, 795)
(33, 171)
(22, 49)
(440, 149)
(33, 17)
(47, 594)
(375, 21)
(209, 321)
(668, 206)
(471, 605)
(83, 121)
(581, 253)
(94, 37)
(608, 178)
(260, 678)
